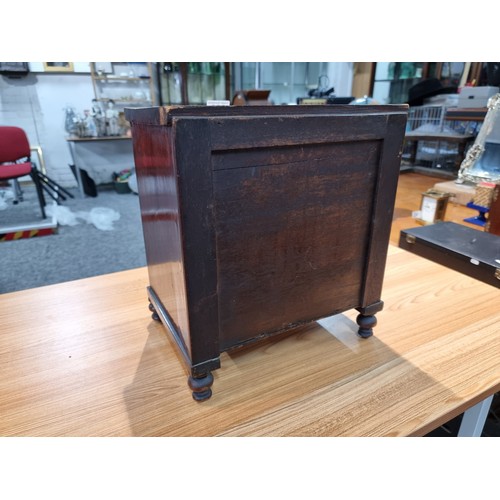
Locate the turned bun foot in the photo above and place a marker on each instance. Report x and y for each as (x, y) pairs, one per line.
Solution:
(366, 324)
(201, 386)
(154, 314)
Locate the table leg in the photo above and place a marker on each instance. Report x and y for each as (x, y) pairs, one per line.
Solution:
(413, 151)
(474, 418)
(460, 156)
(77, 170)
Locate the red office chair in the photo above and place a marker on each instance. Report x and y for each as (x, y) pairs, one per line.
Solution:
(15, 160)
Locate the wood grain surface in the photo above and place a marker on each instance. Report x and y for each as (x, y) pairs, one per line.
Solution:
(84, 358)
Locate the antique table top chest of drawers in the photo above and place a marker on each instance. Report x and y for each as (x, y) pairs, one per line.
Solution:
(259, 219)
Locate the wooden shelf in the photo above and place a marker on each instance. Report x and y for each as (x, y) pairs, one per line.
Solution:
(122, 78)
(466, 114)
(131, 101)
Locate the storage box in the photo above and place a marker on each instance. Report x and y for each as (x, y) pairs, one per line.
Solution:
(493, 224)
(122, 187)
(464, 249)
(460, 193)
(483, 194)
(258, 219)
(476, 97)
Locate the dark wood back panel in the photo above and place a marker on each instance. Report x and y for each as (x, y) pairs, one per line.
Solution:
(292, 236)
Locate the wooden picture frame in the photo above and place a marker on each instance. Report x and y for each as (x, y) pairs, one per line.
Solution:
(58, 66)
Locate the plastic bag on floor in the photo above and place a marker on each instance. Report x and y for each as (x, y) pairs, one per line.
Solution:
(63, 215)
(5, 195)
(101, 217)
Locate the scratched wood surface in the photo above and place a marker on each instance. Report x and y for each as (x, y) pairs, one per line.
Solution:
(84, 358)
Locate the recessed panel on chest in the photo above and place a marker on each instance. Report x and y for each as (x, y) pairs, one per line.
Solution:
(292, 232)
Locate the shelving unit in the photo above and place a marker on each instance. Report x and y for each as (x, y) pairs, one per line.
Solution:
(126, 84)
(391, 81)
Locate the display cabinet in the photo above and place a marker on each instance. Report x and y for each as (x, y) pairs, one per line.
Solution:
(391, 81)
(259, 219)
(193, 82)
(127, 84)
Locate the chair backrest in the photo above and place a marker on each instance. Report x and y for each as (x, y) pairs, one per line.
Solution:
(13, 144)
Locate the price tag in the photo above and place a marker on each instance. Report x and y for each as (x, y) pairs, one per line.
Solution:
(216, 102)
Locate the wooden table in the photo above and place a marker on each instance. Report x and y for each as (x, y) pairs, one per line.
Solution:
(93, 153)
(84, 358)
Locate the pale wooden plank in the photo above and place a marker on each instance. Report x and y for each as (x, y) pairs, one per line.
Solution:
(84, 358)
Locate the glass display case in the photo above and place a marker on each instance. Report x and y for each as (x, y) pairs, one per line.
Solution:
(287, 81)
(193, 82)
(127, 84)
(393, 80)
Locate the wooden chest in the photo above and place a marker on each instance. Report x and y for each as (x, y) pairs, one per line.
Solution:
(259, 219)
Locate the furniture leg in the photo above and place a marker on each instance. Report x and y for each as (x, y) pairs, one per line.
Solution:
(460, 156)
(39, 191)
(366, 324)
(201, 386)
(474, 418)
(413, 152)
(366, 319)
(154, 314)
(18, 193)
(77, 170)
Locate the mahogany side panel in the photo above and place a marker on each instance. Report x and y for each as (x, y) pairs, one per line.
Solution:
(159, 202)
(382, 210)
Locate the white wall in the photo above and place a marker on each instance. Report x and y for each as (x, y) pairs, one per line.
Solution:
(341, 76)
(36, 103)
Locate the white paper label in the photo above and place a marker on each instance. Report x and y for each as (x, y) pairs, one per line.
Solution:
(215, 102)
(429, 206)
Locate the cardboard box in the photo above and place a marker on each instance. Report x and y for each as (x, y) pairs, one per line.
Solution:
(476, 97)
(461, 193)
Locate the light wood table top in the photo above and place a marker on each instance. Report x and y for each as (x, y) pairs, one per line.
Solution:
(84, 358)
